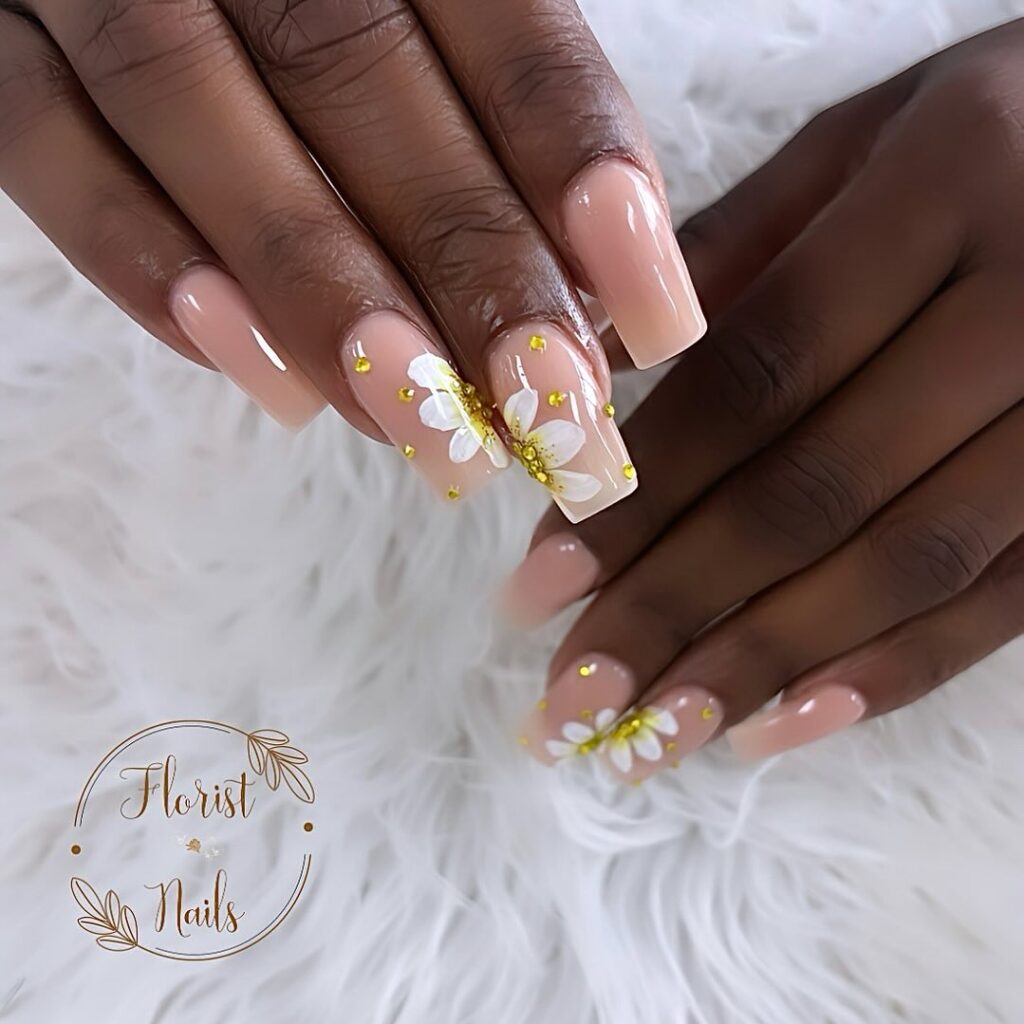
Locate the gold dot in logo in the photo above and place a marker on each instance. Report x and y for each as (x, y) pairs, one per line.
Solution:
(307, 827)
(76, 849)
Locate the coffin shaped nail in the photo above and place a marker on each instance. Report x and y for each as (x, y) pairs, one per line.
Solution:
(559, 570)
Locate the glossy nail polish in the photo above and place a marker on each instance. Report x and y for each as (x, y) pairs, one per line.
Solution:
(559, 570)
(435, 419)
(817, 713)
(213, 312)
(561, 427)
(621, 234)
(656, 736)
(580, 706)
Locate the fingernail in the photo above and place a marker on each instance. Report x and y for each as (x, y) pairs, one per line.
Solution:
(559, 570)
(656, 736)
(622, 236)
(819, 713)
(580, 706)
(432, 416)
(213, 312)
(562, 428)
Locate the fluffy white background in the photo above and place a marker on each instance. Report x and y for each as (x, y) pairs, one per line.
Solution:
(168, 552)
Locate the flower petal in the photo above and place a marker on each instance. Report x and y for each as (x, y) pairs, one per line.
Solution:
(557, 441)
(661, 720)
(441, 412)
(559, 748)
(496, 451)
(520, 411)
(570, 486)
(621, 755)
(577, 732)
(646, 744)
(604, 719)
(430, 371)
(464, 445)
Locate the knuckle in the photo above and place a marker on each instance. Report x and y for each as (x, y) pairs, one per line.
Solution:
(929, 559)
(307, 36)
(765, 373)
(147, 48)
(810, 494)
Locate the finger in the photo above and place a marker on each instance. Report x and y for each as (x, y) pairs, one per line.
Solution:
(896, 668)
(816, 486)
(60, 163)
(531, 69)
(923, 550)
(784, 347)
(364, 88)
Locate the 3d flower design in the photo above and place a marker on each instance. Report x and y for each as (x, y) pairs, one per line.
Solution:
(454, 405)
(544, 449)
(580, 738)
(638, 733)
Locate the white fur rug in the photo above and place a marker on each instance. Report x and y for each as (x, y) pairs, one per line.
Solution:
(166, 552)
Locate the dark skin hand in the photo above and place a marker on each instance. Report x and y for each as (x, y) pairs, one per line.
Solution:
(834, 501)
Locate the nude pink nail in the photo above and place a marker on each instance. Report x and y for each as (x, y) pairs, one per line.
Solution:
(561, 426)
(573, 717)
(818, 713)
(622, 236)
(214, 313)
(559, 570)
(656, 736)
(434, 418)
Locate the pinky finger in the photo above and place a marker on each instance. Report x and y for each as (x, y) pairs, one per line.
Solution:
(896, 668)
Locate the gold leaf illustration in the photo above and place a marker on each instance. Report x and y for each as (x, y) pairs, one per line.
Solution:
(269, 737)
(292, 754)
(112, 908)
(273, 773)
(128, 925)
(298, 782)
(257, 755)
(87, 898)
(118, 943)
(94, 925)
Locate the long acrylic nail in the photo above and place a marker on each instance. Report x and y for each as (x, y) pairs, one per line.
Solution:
(573, 717)
(213, 312)
(559, 570)
(622, 236)
(816, 714)
(561, 427)
(433, 417)
(647, 739)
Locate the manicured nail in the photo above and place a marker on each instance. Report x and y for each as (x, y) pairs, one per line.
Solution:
(434, 418)
(213, 312)
(562, 428)
(623, 238)
(580, 706)
(559, 570)
(816, 714)
(656, 736)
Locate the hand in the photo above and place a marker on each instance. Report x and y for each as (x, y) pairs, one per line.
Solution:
(487, 160)
(835, 474)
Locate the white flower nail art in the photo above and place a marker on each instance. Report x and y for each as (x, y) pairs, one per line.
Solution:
(454, 405)
(580, 738)
(544, 449)
(638, 733)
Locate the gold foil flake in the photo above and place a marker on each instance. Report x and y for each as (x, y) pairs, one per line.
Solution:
(707, 714)
(542, 705)
(629, 471)
(586, 670)
(537, 343)
(608, 409)
(556, 398)
(523, 741)
(454, 493)
(408, 451)
(361, 365)
(671, 745)
(406, 394)
(586, 714)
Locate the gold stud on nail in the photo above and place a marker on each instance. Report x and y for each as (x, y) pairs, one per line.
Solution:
(556, 398)
(408, 451)
(523, 741)
(454, 493)
(406, 394)
(707, 714)
(586, 714)
(542, 705)
(675, 764)
(586, 670)
(671, 745)
(608, 409)
(629, 471)
(362, 364)
(537, 343)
